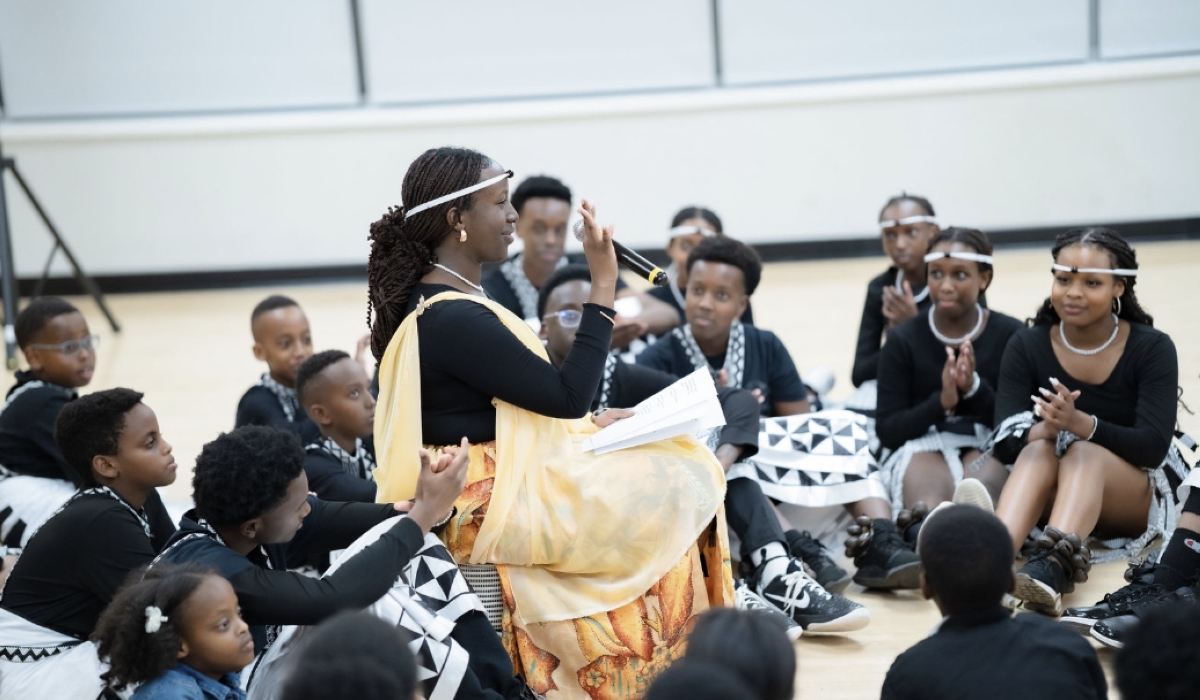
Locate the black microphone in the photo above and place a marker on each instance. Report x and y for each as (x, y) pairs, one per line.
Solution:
(631, 260)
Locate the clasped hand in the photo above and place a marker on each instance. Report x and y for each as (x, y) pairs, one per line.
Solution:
(958, 374)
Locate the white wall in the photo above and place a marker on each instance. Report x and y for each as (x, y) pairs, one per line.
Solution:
(1100, 141)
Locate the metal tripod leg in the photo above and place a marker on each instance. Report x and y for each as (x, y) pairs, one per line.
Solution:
(8, 281)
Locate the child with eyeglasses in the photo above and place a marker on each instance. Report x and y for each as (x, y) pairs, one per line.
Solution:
(34, 478)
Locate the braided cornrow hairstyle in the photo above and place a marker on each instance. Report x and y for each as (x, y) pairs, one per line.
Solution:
(970, 237)
(906, 197)
(1121, 255)
(402, 251)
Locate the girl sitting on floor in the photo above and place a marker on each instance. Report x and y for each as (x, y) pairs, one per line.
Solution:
(1086, 407)
(177, 634)
(937, 379)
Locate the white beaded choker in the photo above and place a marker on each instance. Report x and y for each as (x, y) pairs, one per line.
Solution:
(1062, 333)
(946, 340)
(464, 279)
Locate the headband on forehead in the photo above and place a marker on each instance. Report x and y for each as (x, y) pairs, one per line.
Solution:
(1094, 270)
(975, 257)
(689, 230)
(888, 223)
(455, 195)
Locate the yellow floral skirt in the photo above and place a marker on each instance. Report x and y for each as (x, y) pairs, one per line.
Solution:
(608, 656)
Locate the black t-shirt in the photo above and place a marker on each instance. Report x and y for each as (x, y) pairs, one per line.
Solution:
(469, 358)
(27, 429)
(1135, 405)
(665, 294)
(74, 565)
(992, 654)
(501, 290)
(910, 379)
(271, 595)
(328, 478)
(769, 366)
(260, 406)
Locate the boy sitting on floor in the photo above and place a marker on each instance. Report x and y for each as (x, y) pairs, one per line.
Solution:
(77, 560)
(334, 391)
(34, 478)
(980, 650)
(283, 340)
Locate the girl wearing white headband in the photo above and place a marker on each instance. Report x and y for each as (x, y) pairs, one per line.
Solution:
(1087, 402)
(907, 224)
(937, 378)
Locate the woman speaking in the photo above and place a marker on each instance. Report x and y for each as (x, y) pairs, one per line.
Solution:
(599, 558)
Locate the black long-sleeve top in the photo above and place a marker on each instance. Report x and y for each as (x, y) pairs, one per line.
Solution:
(329, 479)
(469, 358)
(271, 595)
(73, 566)
(27, 429)
(910, 378)
(1135, 405)
(260, 406)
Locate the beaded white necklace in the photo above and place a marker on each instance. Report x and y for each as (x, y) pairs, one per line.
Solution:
(919, 297)
(464, 279)
(957, 341)
(1094, 351)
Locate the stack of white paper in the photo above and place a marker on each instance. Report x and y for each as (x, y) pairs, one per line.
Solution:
(687, 406)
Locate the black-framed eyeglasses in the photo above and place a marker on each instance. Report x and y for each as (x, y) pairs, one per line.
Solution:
(568, 318)
(70, 348)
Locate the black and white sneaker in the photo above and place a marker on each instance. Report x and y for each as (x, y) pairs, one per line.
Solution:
(745, 598)
(888, 562)
(1141, 585)
(1040, 583)
(1113, 631)
(809, 550)
(801, 598)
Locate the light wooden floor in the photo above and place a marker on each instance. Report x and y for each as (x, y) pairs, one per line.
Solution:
(190, 353)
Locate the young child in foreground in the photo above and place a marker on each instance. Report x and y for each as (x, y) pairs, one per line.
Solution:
(980, 649)
(177, 634)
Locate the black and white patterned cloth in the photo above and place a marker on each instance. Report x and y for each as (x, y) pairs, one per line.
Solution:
(1169, 483)
(814, 459)
(949, 444)
(36, 662)
(360, 464)
(735, 352)
(288, 401)
(527, 295)
(427, 599)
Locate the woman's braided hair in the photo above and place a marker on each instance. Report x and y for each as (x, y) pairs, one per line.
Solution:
(1121, 255)
(402, 252)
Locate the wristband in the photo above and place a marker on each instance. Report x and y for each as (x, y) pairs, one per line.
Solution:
(975, 382)
(1095, 424)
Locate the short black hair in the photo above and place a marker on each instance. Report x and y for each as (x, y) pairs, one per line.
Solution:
(724, 249)
(564, 274)
(906, 197)
(693, 681)
(973, 238)
(275, 301)
(91, 425)
(540, 186)
(1159, 658)
(750, 644)
(326, 661)
(694, 212)
(967, 556)
(314, 366)
(33, 318)
(244, 473)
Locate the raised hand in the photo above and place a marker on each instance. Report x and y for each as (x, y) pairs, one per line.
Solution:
(899, 306)
(950, 381)
(597, 246)
(440, 483)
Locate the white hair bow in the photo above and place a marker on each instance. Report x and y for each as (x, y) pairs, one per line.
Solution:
(154, 619)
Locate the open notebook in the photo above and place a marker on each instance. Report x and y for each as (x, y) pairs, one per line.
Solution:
(686, 407)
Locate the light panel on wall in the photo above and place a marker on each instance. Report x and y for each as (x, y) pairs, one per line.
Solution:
(416, 51)
(70, 58)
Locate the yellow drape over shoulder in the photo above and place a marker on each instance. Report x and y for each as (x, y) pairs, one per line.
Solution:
(581, 534)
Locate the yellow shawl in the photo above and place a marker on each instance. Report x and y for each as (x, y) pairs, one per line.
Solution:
(580, 534)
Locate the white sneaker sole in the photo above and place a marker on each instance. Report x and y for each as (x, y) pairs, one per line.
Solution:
(1106, 641)
(1082, 625)
(854, 620)
(972, 492)
(1037, 596)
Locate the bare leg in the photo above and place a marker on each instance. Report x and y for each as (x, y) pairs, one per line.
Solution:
(1099, 490)
(1028, 490)
(990, 472)
(927, 480)
(873, 508)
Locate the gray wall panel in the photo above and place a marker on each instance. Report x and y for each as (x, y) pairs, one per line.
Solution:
(1148, 27)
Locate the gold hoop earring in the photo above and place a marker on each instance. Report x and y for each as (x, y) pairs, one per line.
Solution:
(462, 237)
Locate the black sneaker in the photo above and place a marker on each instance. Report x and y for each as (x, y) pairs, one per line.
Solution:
(1113, 631)
(813, 608)
(1040, 583)
(889, 562)
(809, 550)
(744, 598)
(1141, 585)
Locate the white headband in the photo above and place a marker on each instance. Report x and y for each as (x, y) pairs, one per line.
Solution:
(1095, 270)
(974, 257)
(888, 223)
(689, 230)
(454, 195)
